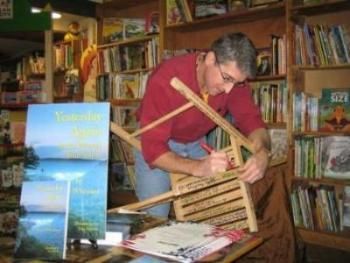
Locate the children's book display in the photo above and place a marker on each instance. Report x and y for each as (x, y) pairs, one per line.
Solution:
(334, 107)
(75, 149)
(42, 230)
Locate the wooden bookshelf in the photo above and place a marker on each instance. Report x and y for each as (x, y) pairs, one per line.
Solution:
(311, 79)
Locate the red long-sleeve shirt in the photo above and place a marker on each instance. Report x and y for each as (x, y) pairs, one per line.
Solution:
(161, 98)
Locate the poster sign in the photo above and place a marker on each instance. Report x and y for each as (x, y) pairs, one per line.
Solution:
(6, 9)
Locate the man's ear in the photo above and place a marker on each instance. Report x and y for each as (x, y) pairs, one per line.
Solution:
(210, 58)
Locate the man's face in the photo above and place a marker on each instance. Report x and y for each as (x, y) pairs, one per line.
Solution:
(221, 78)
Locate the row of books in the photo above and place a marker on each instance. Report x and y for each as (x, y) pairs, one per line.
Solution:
(322, 44)
(133, 56)
(321, 207)
(31, 65)
(329, 113)
(318, 157)
(272, 98)
(67, 54)
(122, 170)
(121, 86)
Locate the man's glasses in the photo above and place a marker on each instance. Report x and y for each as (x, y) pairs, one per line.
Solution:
(230, 80)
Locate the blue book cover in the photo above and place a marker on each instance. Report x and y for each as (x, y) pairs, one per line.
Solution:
(70, 142)
(42, 228)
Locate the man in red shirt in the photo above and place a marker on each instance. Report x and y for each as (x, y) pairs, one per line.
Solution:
(219, 77)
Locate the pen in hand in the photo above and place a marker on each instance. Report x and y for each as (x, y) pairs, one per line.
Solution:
(209, 149)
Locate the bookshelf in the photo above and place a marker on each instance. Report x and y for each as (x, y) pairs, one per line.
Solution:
(125, 58)
(67, 79)
(12, 127)
(317, 200)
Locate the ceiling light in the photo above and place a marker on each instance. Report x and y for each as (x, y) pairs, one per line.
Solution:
(54, 15)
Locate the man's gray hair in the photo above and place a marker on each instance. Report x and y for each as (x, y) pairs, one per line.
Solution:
(239, 48)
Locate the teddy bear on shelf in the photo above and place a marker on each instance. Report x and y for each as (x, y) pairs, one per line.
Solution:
(73, 32)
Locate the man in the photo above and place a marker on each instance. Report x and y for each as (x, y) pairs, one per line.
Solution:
(219, 76)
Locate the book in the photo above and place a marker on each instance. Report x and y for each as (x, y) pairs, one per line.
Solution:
(112, 29)
(133, 27)
(152, 23)
(76, 150)
(264, 62)
(336, 157)
(173, 13)
(17, 131)
(42, 228)
(346, 207)
(182, 241)
(279, 144)
(334, 109)
(205, 8)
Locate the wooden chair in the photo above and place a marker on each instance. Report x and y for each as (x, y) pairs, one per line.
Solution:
(221, 200)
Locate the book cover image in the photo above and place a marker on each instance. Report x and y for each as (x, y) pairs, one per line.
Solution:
(74, 148)
(42, 227)
(334, 107)
(336, 157)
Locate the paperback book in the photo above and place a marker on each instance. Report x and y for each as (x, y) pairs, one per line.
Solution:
(42, 229)
(346, 207)
(75, 149)
(336, 157)
(334, 107)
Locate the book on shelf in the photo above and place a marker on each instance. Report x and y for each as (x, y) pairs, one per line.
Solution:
(152, 23)
(336, 157)
(125, 116)
(279, 143)
(264, 62)
(206, 8)
(5, 127)
(173, 13)
(346, 207)
(182, 241)
(334, 109)
(17, 131)
(75, 150)
(42, 228)
(134, 27)
(129, 86)
(112, 29)
(117, 29)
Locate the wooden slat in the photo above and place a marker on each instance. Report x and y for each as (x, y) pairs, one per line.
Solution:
(236, 225)
(229, 207)
(227, 218)
(211, 202)
(198, 183)
(206, 193)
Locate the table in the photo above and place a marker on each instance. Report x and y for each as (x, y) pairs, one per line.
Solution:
(79, 253)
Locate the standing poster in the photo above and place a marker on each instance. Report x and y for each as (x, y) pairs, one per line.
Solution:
(69, 141)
